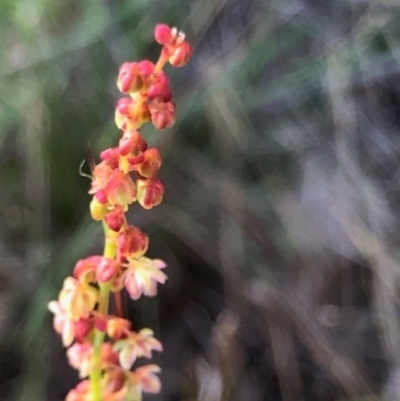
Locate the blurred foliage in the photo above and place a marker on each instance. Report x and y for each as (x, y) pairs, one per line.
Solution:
(281, 216)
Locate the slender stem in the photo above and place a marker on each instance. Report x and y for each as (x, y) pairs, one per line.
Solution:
(104, 290)
(161, 62)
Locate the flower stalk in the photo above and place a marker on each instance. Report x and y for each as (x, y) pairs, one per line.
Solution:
(101, 346)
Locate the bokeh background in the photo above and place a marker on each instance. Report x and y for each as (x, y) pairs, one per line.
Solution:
(280, 224)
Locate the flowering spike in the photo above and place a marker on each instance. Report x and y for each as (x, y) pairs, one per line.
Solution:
(103, 347)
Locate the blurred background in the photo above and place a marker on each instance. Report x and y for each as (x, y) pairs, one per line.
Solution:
(281, 217)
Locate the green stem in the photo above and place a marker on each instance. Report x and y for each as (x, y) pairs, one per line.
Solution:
(104, 292)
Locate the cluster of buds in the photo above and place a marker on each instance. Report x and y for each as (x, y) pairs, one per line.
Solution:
(103, 347)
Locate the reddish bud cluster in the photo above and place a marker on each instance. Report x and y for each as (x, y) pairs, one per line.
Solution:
(126, 173)
(176, 48)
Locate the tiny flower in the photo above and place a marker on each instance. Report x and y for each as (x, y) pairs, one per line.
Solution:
(129, 79)
(132, 144)
(145, 377)
(85, 269)
(149, 192)
(101, 175)
(62, 324)
(136, 345)
(180, 55)
(82, 329)
(159, 89)
(132, 242)
(162, 114)
(142, 276)
(130, 114)
(120, 189)
(151, 163)
(77, 299)
(82, 392)
(101, 196)
(115, 219)
(107, 269)
(133, 77)
(112, 186)
(114, 385)
(146, 69)
(100, 321)
(80, 357)
(117, 327)
(111, 157)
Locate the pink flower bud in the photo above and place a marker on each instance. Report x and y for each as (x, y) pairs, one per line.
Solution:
(101, 196)
(159, 89)
(100, 322)
(162, 34)
(151, 163)
(162, 114)
(82, 328)
(110, 157)
(107, 269)
(129, 79)
(149, 192)
(180, 56)
(115, 219)
(132, 143)
(146, 68)
(132, 242)
(85, 269)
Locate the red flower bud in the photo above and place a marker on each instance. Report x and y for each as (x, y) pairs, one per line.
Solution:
(151, 163)
(146, 68)
(149, 192)
(134, 161)
(162, 34)
(107, 269)
(110, 157)
(129, 79)
(120, 189)
(101, 196)
(132, 243)
(132, 143)
(82, 329)
(180, 56)
(125, 117)
(124, 105)
(115, 219)
(159, 89)
(162, 114)
(85, 269)
(100, 322)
